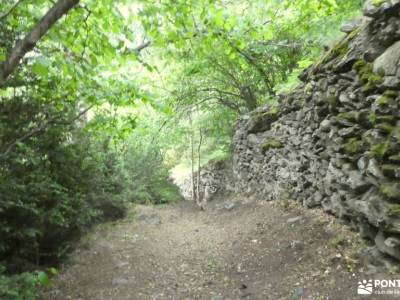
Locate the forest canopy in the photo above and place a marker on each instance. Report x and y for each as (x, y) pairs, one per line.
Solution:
(100, 102)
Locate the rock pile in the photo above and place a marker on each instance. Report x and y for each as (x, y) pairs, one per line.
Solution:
(335, 140)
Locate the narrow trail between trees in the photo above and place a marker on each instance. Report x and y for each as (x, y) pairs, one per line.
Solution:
(253, 250)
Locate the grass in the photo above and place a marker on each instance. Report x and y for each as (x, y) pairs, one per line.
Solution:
(337, 241)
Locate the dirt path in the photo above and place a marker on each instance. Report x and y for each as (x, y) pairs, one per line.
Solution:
(255, 250)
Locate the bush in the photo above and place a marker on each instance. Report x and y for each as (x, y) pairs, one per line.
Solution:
(18, 287)
(52, 185)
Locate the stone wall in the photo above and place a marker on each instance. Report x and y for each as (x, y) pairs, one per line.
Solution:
(217, 174)
(334, 141)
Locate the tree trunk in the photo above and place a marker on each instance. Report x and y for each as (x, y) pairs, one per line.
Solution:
(30, 40)
(192, 157)
(199, 166)
(249, 98)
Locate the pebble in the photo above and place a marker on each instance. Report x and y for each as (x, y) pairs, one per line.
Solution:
(293, 220)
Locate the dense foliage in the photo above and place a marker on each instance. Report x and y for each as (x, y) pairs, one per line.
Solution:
(112, 97)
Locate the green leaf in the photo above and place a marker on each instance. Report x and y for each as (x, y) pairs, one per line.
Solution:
(53, 271)
(40, 67)
(43, 278)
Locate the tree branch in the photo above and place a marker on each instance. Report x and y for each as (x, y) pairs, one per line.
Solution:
(40, 128)
(30, 40)
(213, 89)
(251, 60)
(139, 48)
(142, 46)
(7, 13)
(293, 45)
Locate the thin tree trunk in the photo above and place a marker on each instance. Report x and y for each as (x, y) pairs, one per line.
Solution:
(192, 157)
(30, 40)
(249, 98)
(199, 165)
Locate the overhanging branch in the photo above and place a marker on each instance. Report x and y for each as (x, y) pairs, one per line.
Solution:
(7, 13)
(30, 40)
(31, 133)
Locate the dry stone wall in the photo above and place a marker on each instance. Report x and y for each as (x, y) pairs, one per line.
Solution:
(334, 141)
(216, 174)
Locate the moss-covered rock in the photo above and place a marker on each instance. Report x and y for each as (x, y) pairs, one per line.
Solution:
(360, 65)
(385, 127)
(261, 121)
(367, 77)
(338, 51)
(374, 118)
(351, 116)
(387, 98)
(395, 158)
(396, 133)
(270, 144)
(378, 3)
(333, 102)
(391, 170)
(380, 150)
(353, 146)
(343, 47)
(391, 190)
(394, 211)
(391, 93)
(371, 82)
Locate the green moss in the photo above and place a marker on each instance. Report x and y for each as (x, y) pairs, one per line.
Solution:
(343, 47)
(261, 116)
(262, 121)
(382, 100)
(353, 146)
(386, 118)
(391, 190)
(394, 211)
(351, 116)
(337, 241)
(377, 119)
(270, 144)
(379, 150)
(395, 158)
(373, 80)
(339, 49)
(390, 170)
(396, 133)
(333, 102)
(385, 127)
(386, 98)
(390, 93)
(273, 111)
(372, 118)
(366, 75)
(353, 34)
(359, 65)
(378, 3)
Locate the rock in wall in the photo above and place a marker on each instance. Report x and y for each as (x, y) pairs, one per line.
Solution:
(334, 141)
